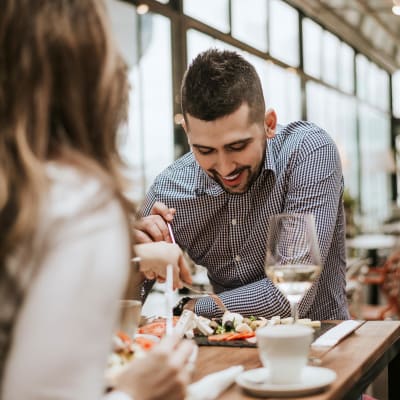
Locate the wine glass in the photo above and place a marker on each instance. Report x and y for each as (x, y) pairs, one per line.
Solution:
(293, 260)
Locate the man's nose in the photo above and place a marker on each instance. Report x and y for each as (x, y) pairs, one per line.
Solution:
(224, 165)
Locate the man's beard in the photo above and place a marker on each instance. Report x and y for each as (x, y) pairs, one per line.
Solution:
(252, 176)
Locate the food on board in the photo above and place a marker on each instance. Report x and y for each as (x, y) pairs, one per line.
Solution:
(232, 326)
(125, 348)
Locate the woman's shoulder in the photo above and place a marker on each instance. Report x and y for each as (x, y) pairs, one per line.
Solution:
(72, 190)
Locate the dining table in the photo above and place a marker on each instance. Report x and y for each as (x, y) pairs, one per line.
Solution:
(357, 360)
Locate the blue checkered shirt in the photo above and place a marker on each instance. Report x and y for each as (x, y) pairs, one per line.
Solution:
(226, 233)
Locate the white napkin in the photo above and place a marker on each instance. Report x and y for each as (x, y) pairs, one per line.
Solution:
(335, 335)
(212, 385)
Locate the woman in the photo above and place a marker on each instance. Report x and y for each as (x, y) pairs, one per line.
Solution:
(65, 245)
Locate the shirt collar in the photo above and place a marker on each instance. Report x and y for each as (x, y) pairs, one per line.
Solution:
(269, 162)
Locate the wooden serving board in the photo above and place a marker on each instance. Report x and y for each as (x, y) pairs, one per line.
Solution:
(203, 340)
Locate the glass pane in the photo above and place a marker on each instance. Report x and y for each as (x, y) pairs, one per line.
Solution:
(124, 25)
(315, 99)
(346, 68)
(151, 92)
(284, 32)
(330, 50)
(380, 84)
(396, 93)
(198, 42)
(376, 166)
(337, 114)
(323, 107)
(283, 93)
(385, 90)
(212, 12)
(312, 39)
(249, 22)
(156, 98)
(362, 66)
(345, 135)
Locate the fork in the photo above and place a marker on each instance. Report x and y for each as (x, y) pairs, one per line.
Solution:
(197, 291)
(217, 300)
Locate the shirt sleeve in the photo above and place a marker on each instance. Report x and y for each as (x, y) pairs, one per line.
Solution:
(62, 336)
(259, 298)
(316, 187)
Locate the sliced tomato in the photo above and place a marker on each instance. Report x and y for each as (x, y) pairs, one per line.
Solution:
(144, 343)
(124, 337)
(221, 337)
(157, 327)
(241, 335)
(154, 328)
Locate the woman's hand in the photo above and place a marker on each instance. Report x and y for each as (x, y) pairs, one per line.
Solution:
(155, 257)
(163, 374)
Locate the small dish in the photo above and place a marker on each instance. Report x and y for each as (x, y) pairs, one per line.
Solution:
(314, 379)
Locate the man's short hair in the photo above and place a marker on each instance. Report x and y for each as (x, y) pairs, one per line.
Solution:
(217, 83)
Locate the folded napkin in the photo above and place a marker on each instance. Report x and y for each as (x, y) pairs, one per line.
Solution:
(211, 386)
(335, 335)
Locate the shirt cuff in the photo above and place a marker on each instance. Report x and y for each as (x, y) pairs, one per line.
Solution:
(206, 307)
(117, 395)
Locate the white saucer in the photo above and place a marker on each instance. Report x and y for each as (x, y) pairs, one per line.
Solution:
(314, 379)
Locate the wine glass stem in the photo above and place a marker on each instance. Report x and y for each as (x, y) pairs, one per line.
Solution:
(294, 310)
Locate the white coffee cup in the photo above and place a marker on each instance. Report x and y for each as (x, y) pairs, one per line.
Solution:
(283, 350)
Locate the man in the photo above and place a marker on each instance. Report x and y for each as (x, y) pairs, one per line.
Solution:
(242, 169)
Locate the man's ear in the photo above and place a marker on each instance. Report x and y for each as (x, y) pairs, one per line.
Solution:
(185, 128)
(270, 121)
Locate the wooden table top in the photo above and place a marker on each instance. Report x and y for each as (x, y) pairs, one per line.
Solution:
(355, 360)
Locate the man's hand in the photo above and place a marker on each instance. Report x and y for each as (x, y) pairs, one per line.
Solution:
(153, 228)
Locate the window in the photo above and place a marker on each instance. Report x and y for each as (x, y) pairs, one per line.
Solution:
(362, 65)
(337, 114)
(211, 12)
(151, 94)
(376, 165)
(346, 68)
(198, 42)
(284, 32)
(330, 50)
(396, 93)
(312, 38)
(283, 93)
(249, 22)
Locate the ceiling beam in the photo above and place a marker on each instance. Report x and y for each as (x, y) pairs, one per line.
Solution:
(335, 23)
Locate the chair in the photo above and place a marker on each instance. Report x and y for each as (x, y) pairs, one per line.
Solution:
(387, 278)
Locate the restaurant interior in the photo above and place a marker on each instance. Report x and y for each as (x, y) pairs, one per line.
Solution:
(333, 62)
(298, 297)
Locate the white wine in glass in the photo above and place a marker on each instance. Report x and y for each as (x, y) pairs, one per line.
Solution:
(293, 260)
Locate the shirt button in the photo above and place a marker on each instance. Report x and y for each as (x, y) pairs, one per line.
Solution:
(238, 258)
(234, 222)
